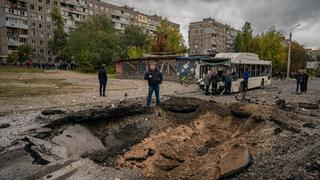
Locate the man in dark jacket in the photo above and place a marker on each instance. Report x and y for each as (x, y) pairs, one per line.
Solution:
(245, 76)
(214, 81)
(103, 79)
(227, 83)
(154, 77)
(304, 82)
(299, 79)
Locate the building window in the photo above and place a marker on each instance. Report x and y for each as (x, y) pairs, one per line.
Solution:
(41, 43)
(40, 25)
(40, 1)
(40, 8)
(41, 51)
(31, 6)
(48, 1)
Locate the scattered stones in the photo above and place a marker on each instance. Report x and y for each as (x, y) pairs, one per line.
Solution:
(47, 148)
(4, 125)
(49, 112)
(239, 112)
(181, 105)
(281, 104)
(309, 125)
(284, 125)
(309, 105)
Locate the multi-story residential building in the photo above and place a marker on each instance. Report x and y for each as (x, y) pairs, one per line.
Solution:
(29, 21)
(209, 36)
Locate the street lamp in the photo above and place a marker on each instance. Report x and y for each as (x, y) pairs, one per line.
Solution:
(289, 51)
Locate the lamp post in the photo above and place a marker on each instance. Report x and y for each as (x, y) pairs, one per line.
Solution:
(289, 51)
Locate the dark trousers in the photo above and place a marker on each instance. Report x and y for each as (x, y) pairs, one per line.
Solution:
(298, 86)
(102, 88)
(207, 89)
(227, 85)
(214, 88)
(156, 89)
(245, 86)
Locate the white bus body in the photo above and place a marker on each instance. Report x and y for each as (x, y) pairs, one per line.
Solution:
(235, 63)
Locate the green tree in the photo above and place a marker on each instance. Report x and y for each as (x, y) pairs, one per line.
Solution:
(13, 57)
(134, 41)
(244, 41)
(95, 42)
(135, 52)
(299, 57)
(167, 39)
(318, 58)
(272, 49)
(24, 51)
(59, 40)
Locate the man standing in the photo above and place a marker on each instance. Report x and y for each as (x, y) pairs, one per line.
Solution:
(207, 78)
(304, 82)
(103, 78)
(214, 81)
(298, 78)
(154, 77)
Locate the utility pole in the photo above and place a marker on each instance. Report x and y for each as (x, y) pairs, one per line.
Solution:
(289, 51)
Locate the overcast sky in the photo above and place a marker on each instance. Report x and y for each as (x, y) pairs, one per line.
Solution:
(284, 14)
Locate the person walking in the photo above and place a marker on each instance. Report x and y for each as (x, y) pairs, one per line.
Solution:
(214, 81)
(154, 77)
(103, 79)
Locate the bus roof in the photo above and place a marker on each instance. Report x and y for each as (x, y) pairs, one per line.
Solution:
(243, 58)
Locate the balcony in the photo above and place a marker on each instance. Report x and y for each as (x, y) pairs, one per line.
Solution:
(16, 25)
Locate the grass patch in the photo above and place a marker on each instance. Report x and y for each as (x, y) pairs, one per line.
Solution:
(13, 69)
(57, 82)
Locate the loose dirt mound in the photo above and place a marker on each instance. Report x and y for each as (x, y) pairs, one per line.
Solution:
(211, 146)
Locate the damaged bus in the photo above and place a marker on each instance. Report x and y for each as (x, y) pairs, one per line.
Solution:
(235, 64)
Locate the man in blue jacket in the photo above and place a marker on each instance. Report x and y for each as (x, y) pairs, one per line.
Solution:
(103, 79)
(154, 77)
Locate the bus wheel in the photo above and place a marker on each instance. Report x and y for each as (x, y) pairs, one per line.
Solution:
(241, 87)
(262, 84)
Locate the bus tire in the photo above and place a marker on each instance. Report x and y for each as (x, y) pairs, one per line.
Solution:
(241, 87)
(262, 84)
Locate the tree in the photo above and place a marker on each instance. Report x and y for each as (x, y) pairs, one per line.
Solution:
(318, 58)
(272, 49)
(13, 57)
(95, 42)
(134, 41)
(167, 39)
(244, 41)
(59, 40)
(24, 52)
(299, 57)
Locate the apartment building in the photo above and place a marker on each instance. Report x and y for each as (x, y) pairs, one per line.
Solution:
(209, 36)
(29, 21)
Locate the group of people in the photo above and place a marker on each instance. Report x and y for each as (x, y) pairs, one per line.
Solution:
(45, 65)
(212, 78)
(302, 81)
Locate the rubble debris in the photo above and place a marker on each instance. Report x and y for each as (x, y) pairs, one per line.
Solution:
(308, 105)
(258, 119)
(37, 159)
(284, 125)
(281, 104)
(101, 114)
(4, 125)
(49, 112)
(181, 105)
(47, 147)
(309, 125)
(240, 112)
(119, 142)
